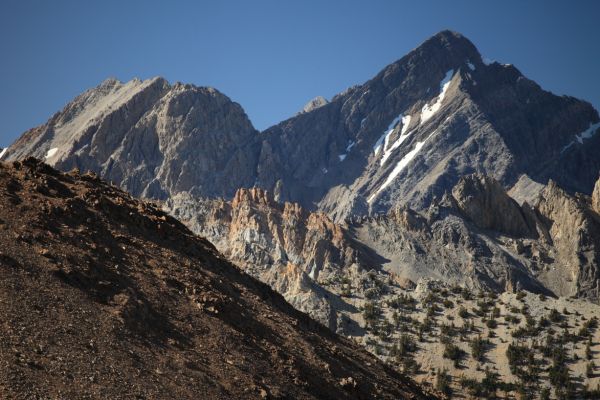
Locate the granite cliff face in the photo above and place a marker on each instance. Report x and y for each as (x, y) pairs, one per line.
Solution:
(484, 202)
(152, 138)
(404, 137)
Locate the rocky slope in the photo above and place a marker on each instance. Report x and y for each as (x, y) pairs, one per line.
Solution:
(404, 137)
(476, 236)
(104, 296)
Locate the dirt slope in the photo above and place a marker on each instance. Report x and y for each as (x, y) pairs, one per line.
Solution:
(104, 296)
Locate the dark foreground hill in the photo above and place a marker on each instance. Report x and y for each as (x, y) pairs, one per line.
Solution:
(105, 296)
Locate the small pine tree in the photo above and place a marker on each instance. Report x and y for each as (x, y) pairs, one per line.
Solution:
(545, 394)
(442, 382)
(589, 369)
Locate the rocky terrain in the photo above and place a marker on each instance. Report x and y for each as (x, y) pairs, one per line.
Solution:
(419, 289)
(443, 175)
(105, 296)
(478, 344)
(477, 236)
(404, 137)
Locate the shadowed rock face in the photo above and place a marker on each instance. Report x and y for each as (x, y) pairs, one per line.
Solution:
(104, 296)
(404, 137)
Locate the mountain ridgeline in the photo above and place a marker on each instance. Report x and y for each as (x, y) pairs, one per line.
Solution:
(403, 138)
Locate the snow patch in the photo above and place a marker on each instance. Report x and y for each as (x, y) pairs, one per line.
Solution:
(587, 134)
(385, 137)
(567, 147)
(387, 151)
(51, 152)
(429, 111)
(3, 152)
(342, 157)
(471, 66)
(399, 167)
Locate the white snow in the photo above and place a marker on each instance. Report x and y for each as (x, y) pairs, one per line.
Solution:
(588, 133)
(387, 151)
(3, 152)
(471, 66)
(399, 167)
(429, 111)
(51, 152)
(362, 122)
(384, 137)
(342, 157)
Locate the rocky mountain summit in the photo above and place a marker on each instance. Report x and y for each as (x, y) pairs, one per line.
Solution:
(105, 296)
(315, 103)
(404, 137)
(152, 138)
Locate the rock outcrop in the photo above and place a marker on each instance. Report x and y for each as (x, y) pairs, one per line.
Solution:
(281, 244)
(315, 103)
(575, 243)
(596, 197)
(484, 201)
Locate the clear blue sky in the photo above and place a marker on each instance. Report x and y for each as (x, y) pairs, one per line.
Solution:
(272, 56)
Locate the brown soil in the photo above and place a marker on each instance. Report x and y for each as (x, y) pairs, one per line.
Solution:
(104, 296)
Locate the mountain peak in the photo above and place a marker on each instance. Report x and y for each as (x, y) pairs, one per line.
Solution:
(453, 45)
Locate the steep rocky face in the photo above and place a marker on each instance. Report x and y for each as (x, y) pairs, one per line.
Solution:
(152, 138)
(281, 244)
(484, 202)
(104, 296)
(575, 238)
(596, 197)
